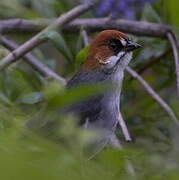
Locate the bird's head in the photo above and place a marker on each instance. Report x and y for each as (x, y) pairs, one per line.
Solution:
(110, 50)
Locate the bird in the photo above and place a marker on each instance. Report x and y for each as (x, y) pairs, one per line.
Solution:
(109, 54)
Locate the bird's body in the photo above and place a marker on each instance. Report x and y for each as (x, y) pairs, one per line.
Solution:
(109, 54)
(100, 107)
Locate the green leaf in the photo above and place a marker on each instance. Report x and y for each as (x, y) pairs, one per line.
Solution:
(4, 99)
(171, 9)
(151, 14)
(31, 98)
(58, 96)
(59, 42)
(15, 83)
(81, 56)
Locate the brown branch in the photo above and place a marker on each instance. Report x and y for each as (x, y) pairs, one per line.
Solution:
(37, 40)
(23, 26)
(174, 45)
(128, 26)
(154, 95)
(154, 60)
(33, 61)
(93, 24)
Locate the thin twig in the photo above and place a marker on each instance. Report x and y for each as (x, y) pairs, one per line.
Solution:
(124, 128)
(33, 61)
(93, 24)
(154, 95)
(85, 37)
(173, 43)
(37, 40)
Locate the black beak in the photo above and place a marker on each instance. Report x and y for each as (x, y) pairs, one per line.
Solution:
(131, 46)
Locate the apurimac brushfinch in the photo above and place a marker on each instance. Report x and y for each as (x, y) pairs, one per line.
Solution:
(109, 54)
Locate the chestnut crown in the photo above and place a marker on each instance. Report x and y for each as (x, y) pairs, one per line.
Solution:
(107, 44)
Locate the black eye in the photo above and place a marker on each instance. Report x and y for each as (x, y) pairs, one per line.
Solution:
(115, 45)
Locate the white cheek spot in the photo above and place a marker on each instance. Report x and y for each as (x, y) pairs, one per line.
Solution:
(124, 43)
(103, 62)
(111, 61)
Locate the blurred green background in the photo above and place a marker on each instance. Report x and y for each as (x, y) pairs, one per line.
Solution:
(28, 99)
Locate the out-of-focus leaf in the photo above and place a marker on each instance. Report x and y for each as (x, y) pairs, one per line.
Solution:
(62, 6)
(3, 52)
(81, 56)
(15, 83)
(44, 7)
(150, 14)
(59, 42)
(4, 99)
(57, 96)
(13, 8)
(171, 11)
(31, 98)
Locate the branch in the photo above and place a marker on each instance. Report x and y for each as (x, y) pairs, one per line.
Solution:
(33, 61)
(85, 37)
(173, 42)
(36, 40)
(23, 26)
(93, 24)
(154, 95)
(124, 128)
(128, 26)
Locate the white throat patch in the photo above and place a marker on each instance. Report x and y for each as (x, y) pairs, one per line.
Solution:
(122, 59)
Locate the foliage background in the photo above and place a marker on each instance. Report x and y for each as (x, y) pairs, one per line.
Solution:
(27, 99)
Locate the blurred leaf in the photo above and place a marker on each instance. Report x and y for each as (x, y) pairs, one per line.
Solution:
(31, 98)
(3, 52)
(62, 6)
(171, 10)
(4, 99)
(150, 14)
(44, 7)
(13, 9)
(57, 96)
(58, 41)
(15, 83)
(81, 56)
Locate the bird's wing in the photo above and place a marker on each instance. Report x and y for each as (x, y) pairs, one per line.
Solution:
(89, 107)
(85, 77)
